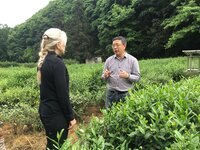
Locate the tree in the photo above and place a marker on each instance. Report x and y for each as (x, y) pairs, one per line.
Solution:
(152, 28)
(4, 32)
(81, 43)
(184, 25)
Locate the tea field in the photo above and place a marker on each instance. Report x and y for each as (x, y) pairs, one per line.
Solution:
(162, 111)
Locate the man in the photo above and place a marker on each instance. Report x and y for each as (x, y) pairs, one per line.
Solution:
(120, 71)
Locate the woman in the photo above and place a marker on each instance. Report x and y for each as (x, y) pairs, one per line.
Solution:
(55, 109)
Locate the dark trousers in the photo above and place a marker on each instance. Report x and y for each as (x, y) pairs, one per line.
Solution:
(113, 96)
(53, 125)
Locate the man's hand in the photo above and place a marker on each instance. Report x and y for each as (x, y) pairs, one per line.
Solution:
(107, 73)
(124, 74)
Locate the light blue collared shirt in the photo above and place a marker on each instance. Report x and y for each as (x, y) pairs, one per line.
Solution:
(115, 65)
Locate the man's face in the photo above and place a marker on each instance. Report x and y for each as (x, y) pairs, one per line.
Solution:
(118, 48)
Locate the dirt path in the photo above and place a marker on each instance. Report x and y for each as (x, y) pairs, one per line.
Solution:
(28, 141)
(36, 140)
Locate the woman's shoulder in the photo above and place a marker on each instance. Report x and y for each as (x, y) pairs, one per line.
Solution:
(59, 61)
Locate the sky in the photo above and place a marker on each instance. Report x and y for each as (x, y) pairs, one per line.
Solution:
(14, 12)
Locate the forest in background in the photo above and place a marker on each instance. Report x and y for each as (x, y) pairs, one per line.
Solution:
(153, 28)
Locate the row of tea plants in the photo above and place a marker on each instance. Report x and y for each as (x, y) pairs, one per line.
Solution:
(156, 117)
(20, 93)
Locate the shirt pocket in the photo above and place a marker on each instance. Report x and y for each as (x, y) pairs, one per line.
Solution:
(127, 68)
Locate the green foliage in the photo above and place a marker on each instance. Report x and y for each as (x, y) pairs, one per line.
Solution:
(162, 70)
(21, 114)
(82, 43)
(157, 117)
(150, 27)
(85, 86)
(70, 61)
(7, 64)
(20, 92)
(185, 22)
(65, 146)
(19, 85)
(56, 143)
(24, 39)
(4, 32)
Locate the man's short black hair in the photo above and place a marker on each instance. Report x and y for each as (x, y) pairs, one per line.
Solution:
(121, 38)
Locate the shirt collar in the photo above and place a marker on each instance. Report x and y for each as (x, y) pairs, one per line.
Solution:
(125, 55)
(54, 53)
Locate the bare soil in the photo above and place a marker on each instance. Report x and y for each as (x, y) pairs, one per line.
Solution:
(29, 140)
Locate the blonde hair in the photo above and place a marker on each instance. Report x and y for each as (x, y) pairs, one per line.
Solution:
(50, 38)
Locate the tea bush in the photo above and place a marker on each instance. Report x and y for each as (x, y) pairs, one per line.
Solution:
(22, 114)
(156, 71)
(18, 84)
(156, 117)
(7, 64)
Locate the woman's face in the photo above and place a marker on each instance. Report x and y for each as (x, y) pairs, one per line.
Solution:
(61, 47)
